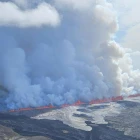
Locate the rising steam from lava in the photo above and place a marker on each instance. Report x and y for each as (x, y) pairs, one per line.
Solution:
(60, 51)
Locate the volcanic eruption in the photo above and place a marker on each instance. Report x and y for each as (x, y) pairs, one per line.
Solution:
(61, 51)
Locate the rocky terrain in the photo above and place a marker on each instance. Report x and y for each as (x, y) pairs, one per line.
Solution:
(117, 121)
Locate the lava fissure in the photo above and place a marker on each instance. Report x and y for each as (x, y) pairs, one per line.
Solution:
(78, 103)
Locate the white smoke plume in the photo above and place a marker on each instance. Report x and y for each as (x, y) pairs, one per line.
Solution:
(43, 14)
(61, 51)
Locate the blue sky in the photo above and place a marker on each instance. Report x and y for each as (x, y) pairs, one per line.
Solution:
(129, 27)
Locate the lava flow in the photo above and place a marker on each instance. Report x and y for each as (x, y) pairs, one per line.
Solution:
(78, 103)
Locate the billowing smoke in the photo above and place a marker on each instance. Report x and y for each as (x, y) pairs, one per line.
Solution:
(60, 51)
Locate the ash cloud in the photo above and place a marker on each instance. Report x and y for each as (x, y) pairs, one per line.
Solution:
(61, 51)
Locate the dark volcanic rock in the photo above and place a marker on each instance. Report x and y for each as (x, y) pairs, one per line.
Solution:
(103, 132)
(25, 127)
(127, 121)
(124, 126)
(8, 134)
(31, 127)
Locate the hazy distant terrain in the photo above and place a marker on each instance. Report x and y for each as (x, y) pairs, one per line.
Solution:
(117, 121)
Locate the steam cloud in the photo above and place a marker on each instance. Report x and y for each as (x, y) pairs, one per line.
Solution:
(60, 51)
